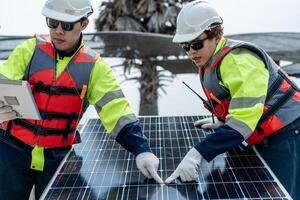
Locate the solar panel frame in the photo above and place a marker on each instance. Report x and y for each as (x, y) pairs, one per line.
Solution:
(99, 168)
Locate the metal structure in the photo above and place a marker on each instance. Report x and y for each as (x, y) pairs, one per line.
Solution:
(161, 51)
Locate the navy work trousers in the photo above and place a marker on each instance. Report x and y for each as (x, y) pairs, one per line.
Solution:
(16, 177)
(282, 153)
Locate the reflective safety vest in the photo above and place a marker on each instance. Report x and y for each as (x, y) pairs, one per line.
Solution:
(61, 101)
(282, 104)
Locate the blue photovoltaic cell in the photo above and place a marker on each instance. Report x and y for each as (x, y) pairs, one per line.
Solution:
(99, 168)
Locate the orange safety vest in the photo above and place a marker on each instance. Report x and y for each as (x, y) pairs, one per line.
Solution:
(282, 104)
(61, 101)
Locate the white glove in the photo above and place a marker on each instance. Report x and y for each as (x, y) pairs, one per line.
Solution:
(187, 169)
(6, 112)
(207, 123)
(148, 163)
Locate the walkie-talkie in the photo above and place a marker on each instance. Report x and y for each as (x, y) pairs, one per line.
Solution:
(202, 99)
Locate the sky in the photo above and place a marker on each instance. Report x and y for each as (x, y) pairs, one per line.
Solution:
(23, 17)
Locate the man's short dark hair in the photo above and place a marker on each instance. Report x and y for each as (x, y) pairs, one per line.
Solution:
(216, 29)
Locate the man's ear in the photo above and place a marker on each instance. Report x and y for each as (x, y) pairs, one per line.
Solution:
(84, 24)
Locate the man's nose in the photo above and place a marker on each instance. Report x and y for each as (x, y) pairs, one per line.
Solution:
(59, 29)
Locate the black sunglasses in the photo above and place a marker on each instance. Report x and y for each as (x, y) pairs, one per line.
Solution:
(196, 45)
(66, 26)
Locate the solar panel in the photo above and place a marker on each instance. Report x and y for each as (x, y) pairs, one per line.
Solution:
(99, 168)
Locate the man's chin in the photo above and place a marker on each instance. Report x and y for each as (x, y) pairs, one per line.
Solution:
(60, 47)
(199, 64)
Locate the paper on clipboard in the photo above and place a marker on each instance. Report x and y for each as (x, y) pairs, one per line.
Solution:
(18, 95)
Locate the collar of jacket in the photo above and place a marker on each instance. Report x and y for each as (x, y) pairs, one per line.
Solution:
(220, 45)
(63, 54)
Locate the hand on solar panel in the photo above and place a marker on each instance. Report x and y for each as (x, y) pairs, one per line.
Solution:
(207, 123)
(187, 169)
(6, 112)
(148, 163)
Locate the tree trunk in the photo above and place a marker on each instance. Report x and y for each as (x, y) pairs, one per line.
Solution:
(149, 84)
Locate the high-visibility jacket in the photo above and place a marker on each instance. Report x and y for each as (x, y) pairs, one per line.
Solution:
(61, 99)
(282, 97)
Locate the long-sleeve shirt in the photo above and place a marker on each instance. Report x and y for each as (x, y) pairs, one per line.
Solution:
(100, 92)
(243, 74)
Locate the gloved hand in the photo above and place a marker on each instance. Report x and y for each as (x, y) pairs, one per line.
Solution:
(6, 112)
(147, 163)
(207, 123)
(187, 169)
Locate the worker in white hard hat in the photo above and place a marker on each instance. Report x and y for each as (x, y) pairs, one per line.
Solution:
(247, 92)
(65, 76)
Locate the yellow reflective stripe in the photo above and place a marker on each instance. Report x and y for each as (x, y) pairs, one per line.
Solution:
(105, 93)
(123, 121)
(37, 158)
(246, 102)
(111, 95)
(249, 116)
(14, 67)
(113, 111)
(239, 126)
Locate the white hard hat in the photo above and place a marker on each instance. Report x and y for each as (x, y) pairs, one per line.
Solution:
(193, 19)
(67, 10)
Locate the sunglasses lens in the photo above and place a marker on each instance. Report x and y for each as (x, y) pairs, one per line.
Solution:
(67, 26)
(197, 45)
(52, 23)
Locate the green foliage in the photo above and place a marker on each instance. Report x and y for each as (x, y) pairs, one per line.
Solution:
(138, 15)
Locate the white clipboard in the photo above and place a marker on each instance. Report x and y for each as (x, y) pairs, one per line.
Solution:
(18, 95)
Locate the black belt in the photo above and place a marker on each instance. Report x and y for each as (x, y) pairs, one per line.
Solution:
(55, 90)
(43, 131)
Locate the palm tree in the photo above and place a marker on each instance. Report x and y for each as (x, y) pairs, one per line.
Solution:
(141, 16)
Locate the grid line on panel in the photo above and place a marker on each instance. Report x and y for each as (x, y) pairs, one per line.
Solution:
(260, 179)
(89, 136)
(177, 133)
(99, 168)
(160, 137)
(237, 181)
(89, 176)
(168, 126)
(185, 138)
(89, 181)
(187, 132)
(126, 173)
(118, 191)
